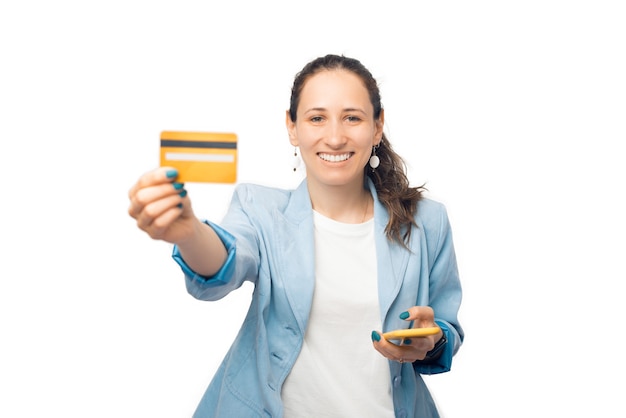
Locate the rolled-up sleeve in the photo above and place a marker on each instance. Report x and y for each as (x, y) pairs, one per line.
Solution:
(221, 283)
(445, 293)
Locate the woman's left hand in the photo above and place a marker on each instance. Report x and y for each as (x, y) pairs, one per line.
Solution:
(413, 349)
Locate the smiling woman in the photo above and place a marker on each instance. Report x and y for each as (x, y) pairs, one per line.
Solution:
(350, 255)
(336, 131)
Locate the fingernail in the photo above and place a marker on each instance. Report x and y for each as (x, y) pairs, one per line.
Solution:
(404, 315)
(178, 186)
(407, 341)
(179, 206)
(183, 193)
(171, 174)
(375, 336)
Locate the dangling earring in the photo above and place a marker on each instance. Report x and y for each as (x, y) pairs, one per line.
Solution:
(296, 160)
(374, 160)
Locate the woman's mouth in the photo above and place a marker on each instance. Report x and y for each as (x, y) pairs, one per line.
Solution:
(335, 158)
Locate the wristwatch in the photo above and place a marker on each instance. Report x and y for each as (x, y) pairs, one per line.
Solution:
(435, 353)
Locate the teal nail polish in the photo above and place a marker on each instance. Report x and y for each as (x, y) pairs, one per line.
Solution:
(404, 315)
(407, 341)
(178, 186)
(375, 336)
(179, 206)
(171, 174)
(183, 193)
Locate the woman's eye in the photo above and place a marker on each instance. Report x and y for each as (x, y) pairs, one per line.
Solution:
(353, 118)
(316, 119)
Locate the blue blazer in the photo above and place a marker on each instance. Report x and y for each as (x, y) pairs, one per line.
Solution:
(268, 234)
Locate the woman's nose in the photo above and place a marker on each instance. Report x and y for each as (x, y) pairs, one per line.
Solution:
(335, 136)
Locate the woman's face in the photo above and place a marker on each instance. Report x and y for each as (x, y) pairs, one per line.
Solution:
(335, 128)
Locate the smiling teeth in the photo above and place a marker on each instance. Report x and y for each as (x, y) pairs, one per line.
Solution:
(334, 158)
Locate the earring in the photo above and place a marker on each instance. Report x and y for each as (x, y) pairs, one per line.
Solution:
(296, 160)
(374, 160)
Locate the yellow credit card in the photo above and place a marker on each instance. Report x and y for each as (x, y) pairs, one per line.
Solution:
(201, 157)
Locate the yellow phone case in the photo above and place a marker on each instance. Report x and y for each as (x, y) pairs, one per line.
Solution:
(410, 333)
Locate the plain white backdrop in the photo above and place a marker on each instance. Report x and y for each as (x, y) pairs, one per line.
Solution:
(513, 113)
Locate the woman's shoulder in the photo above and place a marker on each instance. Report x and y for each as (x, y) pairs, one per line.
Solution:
(429, 207)
(431, 213)
(256, 194)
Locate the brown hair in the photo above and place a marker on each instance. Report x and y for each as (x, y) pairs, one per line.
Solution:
(390, 180)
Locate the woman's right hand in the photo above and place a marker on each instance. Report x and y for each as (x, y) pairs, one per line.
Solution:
(161, 206)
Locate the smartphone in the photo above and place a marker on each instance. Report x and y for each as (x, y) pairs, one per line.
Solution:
(399, 334)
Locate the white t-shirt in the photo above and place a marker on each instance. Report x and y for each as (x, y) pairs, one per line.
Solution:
(338, 373)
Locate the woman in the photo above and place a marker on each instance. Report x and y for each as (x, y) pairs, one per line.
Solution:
(352, 252)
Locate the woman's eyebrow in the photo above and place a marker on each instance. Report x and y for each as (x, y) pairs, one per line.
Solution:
(354, 109)
(315, 109)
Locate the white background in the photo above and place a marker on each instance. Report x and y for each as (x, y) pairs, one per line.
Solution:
(513, 113)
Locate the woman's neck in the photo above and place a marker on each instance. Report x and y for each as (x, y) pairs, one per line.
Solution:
(343, 204)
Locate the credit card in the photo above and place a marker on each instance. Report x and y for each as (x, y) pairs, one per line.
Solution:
(200, 157)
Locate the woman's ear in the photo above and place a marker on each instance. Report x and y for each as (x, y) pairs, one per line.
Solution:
(380, 124)
(291, 129)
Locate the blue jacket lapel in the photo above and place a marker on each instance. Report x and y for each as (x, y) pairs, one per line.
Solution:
(296, 239)
(392, 258)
